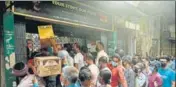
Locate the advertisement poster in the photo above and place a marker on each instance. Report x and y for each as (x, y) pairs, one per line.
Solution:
(45, 32)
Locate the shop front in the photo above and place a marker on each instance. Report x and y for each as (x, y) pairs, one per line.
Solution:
(71, 21)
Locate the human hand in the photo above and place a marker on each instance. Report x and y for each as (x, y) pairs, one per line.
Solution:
(155, 84)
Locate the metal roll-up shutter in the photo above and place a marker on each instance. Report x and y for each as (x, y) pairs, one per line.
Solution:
(20, 42)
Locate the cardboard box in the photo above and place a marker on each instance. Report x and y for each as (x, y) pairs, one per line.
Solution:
(47, 66)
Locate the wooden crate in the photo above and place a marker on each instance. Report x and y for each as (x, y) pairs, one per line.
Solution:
(47, 66)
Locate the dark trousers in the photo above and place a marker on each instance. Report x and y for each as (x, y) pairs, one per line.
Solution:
(50, 81)
(58, 82)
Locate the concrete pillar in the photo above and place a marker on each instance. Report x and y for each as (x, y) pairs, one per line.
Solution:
(9, 48)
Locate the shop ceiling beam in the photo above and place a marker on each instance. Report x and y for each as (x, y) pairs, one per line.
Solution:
(32, 17)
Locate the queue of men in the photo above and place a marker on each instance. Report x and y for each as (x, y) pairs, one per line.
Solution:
(86, 70)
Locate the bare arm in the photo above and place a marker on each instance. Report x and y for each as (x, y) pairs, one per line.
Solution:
(76, 65)
(54, 45)
(76, 61)
(173, 83)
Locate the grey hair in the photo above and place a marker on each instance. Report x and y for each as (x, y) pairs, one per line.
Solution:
(128, 57)
(70, 73)
(63, 53)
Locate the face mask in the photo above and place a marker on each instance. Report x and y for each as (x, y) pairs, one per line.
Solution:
(152, 69)
(163, 65)
(113, 63)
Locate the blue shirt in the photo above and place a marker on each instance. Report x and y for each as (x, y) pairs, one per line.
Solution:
(74, 85)
(173, 66)
(35, 85)
(167, 76)
(50, 50)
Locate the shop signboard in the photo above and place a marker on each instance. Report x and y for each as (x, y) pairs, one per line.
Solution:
(66, 12)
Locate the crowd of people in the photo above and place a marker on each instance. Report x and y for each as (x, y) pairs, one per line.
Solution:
(86, 70)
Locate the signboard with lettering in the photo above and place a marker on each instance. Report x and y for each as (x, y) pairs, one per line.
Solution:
(9, 47)
(67, 12)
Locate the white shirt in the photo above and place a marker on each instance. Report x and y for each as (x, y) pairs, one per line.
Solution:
(100, 54)
(95, 72)
(140, 80)
(70, 61)
(27, 81)
(79, 59)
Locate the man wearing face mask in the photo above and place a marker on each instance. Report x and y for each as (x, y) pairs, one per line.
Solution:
(118, 77)
(140, 79)
(167, 75)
